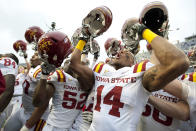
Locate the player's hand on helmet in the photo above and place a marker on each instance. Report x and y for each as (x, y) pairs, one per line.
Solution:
(84, 35)
(87, 117)
(86, 49)
(47, 68)
(135, 35)
(136, 31)
(24, 128)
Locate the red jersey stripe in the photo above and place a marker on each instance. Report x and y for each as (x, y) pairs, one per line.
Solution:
(100, 68)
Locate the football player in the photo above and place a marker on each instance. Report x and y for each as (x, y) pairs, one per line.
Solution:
(8, 72)
(185, 91)
(121, 93)
(188, 94)
(156, 118)
(29, 117)
(20, 47)
(61, 85)
(84, 119)
(155, 16)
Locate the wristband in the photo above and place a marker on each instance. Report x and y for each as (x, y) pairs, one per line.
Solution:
(44, 76)
(148, 35)
(80, 45)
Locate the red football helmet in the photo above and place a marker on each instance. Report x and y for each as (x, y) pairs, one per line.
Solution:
(33, 33)
(98, 20)
(112, 46)
(54, 47)
(192, 54)
(20, 45)
(130, 44)
(155, 16)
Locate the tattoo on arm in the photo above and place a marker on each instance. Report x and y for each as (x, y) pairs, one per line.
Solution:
(149, 77)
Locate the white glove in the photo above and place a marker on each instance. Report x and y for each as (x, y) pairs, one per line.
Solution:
(87, 117)
(24, 128)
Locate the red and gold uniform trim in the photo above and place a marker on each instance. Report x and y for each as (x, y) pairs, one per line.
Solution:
(192, 77)
(61, 76)
(40, 124)
(184, 76)
(37, 72)
(140, 67)
(98, 67)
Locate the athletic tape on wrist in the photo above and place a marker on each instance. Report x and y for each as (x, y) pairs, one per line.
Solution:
(148, 35)
(80, 45)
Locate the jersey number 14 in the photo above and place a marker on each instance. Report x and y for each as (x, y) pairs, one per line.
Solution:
(115, 102)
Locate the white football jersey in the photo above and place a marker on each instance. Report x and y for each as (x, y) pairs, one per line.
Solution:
(18, 90)
(8, 66)
(67, 100)
(119, 98)
(153, 120)
(79, 124)
(189, 90)
(29, 86)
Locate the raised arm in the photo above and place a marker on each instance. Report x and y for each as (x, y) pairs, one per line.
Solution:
(85, 73)
(43, 93)
(6, 96)
(28, 65)
(173, 62)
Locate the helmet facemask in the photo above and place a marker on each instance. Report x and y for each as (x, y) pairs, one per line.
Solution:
(155, 17)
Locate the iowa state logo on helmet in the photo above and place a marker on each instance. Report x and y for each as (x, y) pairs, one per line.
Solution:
(20, 45)
(54, 47)
(33, 33)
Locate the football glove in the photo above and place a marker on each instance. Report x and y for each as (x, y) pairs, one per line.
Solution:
(87, 117)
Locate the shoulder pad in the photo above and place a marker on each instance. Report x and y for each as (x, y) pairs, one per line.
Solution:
(192, 77)
(184, 76)
(140, 67)
(61, 76)
(98, 67)
(37, 72)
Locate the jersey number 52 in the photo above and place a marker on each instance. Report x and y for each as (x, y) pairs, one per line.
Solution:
(74, 104)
